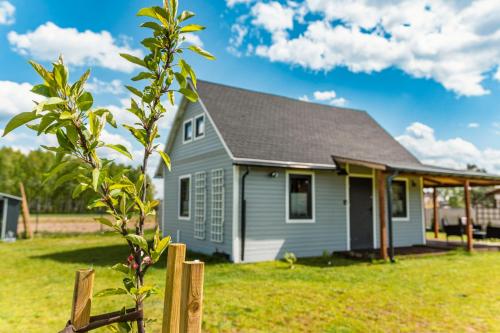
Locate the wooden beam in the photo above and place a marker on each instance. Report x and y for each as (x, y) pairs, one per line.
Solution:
(172, 302)
(26, 213)
(82, 298)
(468, 215)
(435, 211)
(192, 297)
(381, 186)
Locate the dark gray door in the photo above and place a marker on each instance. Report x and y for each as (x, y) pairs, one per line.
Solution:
(361, 213)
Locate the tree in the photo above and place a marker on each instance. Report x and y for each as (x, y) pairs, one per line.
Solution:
(67, 113)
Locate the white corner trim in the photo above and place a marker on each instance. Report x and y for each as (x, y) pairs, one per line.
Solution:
(186, 218)
(287, 196)
(189, 120)
(215, 127)
(236, 215)
(348, 210)
(194, 127)
(407, 189)
(422, 205)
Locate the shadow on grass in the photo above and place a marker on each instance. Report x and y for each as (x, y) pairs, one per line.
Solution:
(335, 260)
(112, 254)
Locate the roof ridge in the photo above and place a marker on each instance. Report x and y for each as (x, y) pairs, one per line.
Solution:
(296, 100)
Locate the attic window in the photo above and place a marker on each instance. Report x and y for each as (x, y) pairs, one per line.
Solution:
(188, 131)
(199, 127)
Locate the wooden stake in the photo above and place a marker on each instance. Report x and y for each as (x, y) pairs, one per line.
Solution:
(192, 297)
(172, 303)
(381, 184)
(26, 213)
(435, 210)
(468, 215)
(82, 298)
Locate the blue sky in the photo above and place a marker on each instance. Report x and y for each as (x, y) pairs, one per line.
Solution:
(428, 74)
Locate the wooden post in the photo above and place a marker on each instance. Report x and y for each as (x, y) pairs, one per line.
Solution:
(192, 297)
(172, 303)
(468, 215)
(82, 298)
(381, 185)
(435, 211)
(26, 213)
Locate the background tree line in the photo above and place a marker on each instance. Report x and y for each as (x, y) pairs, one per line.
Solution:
(16, 167)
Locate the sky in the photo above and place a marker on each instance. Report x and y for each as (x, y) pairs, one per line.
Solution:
(427, 71)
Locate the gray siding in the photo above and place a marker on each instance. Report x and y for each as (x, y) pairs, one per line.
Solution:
(268, 235)
(205, 154)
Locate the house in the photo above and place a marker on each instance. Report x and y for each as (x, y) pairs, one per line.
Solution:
(9, 214)
(255, 175)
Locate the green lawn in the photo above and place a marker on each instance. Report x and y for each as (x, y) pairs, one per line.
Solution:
(451, 293)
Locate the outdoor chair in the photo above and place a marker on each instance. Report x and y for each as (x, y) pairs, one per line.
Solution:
(492, 232)
(453, 229)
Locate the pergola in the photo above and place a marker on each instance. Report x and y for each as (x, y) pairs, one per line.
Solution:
(433, 177)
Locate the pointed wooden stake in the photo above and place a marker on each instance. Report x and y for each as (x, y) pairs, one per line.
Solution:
(172, 303)
(26, 213)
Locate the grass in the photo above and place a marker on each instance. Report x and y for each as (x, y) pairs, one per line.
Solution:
(451, 293)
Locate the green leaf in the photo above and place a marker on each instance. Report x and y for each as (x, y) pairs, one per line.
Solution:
(192, 28)
(173, 6)
(41, 89)
(78, 190)
(46, 75)
(162, 245)
(95, 178)
(201, 52)
(142, 76)
(171, 97)
(119, 148)
(65, 115)
(152, 25)
(148, 11)
(111, 292)
(187, 70)
(120, 268)
(181, 79)
(104, 221)
(189, 94)
(19, 120)
(54, 101)
(133, 59)
(85, 101)
(134, 91)
(185, 15)
(165, 158)
(137, 240)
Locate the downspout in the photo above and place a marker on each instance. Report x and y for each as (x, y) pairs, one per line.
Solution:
(390, 178)
(243, 213)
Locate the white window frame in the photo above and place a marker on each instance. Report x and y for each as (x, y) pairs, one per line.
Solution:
(214, 236)
(287, 196)
(204, 127)
(199, 229)
(184, 131)
(407, 189)
(185, 218)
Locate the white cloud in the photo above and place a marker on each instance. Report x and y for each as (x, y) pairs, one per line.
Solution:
(193, 39)
(456, 153)
(329, 97)
(113, 87)
(87, 48)
(7, 11)
(16, 98)
(473, 125)
(273, 17)
(455, 43)
(232, 3)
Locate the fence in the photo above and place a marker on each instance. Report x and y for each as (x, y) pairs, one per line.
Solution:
(482, 216)
(183, 303)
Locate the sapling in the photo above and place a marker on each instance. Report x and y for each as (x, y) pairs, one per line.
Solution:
(67, 113)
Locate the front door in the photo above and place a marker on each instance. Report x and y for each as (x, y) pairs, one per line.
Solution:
(361, 213)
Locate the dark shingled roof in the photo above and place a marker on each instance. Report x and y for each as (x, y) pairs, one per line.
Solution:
(261, 126)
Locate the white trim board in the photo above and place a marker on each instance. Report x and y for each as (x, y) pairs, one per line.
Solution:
(195, 129)
(236, 215)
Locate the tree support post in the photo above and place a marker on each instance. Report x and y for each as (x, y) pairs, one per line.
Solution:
(381, 185)
(192, 297)
(172, 302)
(82, 298)
(435, 211)
(26, 213)
(468, 215)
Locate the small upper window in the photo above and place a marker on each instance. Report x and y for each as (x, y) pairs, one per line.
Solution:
(199, 125)
(300, 197)
(399, 199)
(188, 130)
(184, 197)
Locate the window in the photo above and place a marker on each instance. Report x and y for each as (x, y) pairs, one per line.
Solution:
(199, 205)
(300, 202)
(199, 127)
(217, 225)
(400, 199)
(184, 197)
(188, 131)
